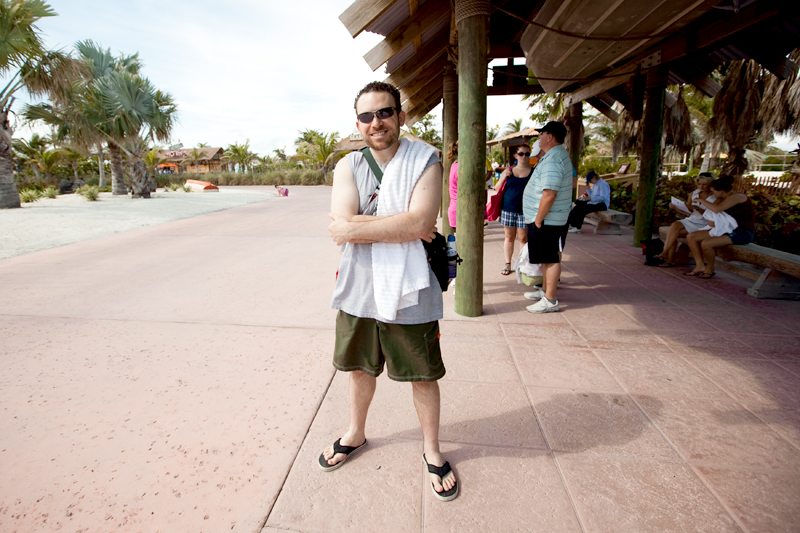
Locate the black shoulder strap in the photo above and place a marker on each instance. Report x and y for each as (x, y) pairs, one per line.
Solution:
(372, 163)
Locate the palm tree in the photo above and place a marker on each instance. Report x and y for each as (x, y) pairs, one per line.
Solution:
(194, 157)
(280, 155)
(319, 150)
(28, 151)
(47, 161)
(153, 159)
(30, 66)
(513, 127)
(240, 154)
(73, 157)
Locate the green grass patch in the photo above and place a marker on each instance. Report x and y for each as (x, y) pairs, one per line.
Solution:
(90, 192)
(50, 192)
(27, 196)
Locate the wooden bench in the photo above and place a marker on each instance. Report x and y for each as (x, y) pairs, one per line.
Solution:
(780, 277)
(609, 221)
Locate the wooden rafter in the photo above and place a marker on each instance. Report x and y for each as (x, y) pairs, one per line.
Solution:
(419, 82)
(680, 46)
(427, 16)
(362, 13)
(419, 61)
(600, 104)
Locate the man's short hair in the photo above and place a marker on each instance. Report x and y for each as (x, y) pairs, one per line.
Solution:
(379, 87)
(556, 129)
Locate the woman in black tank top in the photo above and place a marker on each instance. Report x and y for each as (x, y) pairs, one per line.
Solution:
(735, 204)
(515, 179)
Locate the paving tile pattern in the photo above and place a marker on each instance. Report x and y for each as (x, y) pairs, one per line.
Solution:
(652, 402)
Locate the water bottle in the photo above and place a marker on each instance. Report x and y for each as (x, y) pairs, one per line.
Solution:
(452, 255)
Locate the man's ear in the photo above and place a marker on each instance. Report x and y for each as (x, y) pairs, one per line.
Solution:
(401, 116)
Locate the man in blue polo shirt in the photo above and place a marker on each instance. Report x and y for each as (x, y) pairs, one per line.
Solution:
(546, 204)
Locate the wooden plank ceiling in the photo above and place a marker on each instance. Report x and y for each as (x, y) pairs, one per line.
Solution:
(597, 48)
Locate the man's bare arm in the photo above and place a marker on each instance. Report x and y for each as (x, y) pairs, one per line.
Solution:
(418, 223)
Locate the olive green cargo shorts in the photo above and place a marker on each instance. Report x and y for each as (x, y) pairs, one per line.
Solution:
(411, 352)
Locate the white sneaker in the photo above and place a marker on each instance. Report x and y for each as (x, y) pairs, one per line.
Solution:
(543, 306)
(537, 294)
(574, 230)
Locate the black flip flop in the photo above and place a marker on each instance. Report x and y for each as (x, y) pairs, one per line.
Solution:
(703, 275)
(338, 448)
(441, 471)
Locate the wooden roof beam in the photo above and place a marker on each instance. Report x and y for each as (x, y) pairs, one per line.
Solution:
(513, 89)
(409, 30)
(416, 63)
(422, 111)
(603, 107)
(499, 51)
(419, 82)
(783, 67)
(680, 46)
(362, 13)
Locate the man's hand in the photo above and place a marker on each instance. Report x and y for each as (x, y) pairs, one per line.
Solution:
(339, 228)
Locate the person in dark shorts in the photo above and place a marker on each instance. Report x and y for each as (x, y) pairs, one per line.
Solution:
(388, 315)
(546, 204)
(702, 243)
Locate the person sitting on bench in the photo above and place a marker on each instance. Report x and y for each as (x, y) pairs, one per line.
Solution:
(738, 206)
(597, 198)
(694, 221)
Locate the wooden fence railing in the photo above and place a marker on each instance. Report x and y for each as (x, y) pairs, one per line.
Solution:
(768, 185)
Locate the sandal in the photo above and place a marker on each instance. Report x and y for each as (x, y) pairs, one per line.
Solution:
(692, 273)
(666, 265)
(338, 448)
(507, 270)
(703, 275)
(441, 471)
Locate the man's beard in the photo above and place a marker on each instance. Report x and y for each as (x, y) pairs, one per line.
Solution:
(388, 140)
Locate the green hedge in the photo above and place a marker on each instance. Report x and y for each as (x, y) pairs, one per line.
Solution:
(272, 177)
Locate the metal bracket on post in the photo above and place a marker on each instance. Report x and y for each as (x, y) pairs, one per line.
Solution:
(653, 60)
(774, 284)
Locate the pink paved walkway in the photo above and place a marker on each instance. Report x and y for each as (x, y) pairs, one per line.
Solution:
(178, 378)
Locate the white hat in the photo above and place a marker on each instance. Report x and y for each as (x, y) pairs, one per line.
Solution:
(535, 150)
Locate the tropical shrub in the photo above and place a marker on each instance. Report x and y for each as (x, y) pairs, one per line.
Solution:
(29, 195)
(90, 192)
(50, 192)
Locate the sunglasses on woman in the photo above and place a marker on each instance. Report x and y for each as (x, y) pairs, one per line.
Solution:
(525, 154)
(382, 114)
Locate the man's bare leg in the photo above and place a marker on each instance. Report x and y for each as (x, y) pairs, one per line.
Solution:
(426, 401)
(552, 273)
(362, 389)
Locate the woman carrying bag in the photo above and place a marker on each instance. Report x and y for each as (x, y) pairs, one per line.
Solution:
(512, 182)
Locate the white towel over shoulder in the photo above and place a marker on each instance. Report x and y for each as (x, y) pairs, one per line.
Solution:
(400, 269)
(723, 223)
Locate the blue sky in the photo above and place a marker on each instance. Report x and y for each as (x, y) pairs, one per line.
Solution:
(243, 69)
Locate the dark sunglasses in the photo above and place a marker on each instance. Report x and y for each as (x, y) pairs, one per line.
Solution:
(382, 114)
(526, 154)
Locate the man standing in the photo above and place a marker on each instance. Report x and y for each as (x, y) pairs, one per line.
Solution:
(388, 298)
(546, 204)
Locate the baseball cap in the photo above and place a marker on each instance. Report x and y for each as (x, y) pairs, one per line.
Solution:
(535, 149)
(558, 129)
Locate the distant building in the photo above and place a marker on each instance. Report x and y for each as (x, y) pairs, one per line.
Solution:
(178, 161)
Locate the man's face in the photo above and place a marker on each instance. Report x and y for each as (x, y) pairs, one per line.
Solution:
(546, 141)
(379, 134)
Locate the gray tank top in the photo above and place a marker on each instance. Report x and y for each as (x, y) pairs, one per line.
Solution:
(354, 293)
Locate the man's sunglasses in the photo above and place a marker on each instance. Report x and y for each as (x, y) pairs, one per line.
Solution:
(382, 114)
(526, 154)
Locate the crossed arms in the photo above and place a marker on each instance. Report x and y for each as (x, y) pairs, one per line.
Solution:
(418, 223)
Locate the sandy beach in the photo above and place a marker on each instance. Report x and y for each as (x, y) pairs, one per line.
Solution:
(69, 218)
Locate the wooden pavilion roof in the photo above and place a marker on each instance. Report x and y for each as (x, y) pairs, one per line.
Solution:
(590, 49)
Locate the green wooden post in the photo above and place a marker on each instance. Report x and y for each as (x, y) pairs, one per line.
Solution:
(472, 17)
(652, 128)
(575, 123)
(449, 135)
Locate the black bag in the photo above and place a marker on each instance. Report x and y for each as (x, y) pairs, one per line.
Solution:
(651, 248)
(436, 249)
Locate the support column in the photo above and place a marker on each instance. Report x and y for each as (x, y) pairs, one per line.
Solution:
(449, 135)
(652, 128)
(471, 17)
(575, 133)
